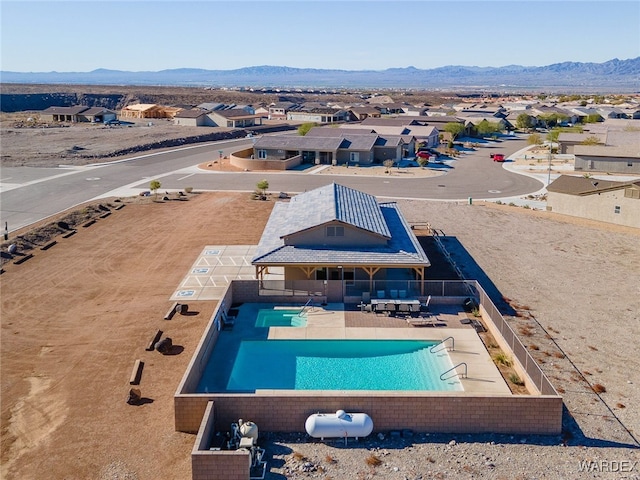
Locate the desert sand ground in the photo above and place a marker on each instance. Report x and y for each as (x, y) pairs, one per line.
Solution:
(75, 318)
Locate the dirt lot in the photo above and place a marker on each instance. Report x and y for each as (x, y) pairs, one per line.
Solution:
(77, 316)
(83, 144)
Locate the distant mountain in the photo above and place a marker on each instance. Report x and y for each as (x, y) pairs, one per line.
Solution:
(613, 75)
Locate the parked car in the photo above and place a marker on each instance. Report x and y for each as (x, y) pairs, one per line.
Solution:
(498, 157)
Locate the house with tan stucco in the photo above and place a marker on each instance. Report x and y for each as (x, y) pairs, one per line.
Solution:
(602, 200)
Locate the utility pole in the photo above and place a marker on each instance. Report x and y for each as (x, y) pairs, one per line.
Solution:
(549, 172)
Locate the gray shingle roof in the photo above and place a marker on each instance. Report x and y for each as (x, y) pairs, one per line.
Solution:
(338, 203)
(296, 142)
(571, 185)
(75, 110)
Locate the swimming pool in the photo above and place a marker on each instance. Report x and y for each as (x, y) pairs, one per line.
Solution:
(333, 365)
(280, 318)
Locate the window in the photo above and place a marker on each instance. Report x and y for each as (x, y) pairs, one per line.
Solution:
(349, 276)
(262, 154)
(616, 209)
(335, 231)
(632, 193)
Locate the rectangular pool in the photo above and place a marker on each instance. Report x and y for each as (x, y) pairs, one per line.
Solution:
(280, 318)
(333, 365)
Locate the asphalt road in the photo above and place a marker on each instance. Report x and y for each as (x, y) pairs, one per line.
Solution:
(28, 194)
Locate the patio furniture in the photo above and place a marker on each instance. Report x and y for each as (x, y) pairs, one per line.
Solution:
(404, 308)
(393, 293)
(402, 293)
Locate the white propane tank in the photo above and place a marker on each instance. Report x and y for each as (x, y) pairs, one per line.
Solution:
(338, 425)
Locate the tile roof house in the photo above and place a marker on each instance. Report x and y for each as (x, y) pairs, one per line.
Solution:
(595, 199)
(338, 233)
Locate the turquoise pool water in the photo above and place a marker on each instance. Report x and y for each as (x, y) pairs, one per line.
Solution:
(333, 365)
(280, 318)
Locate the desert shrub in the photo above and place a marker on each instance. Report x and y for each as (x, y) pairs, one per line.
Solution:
(502, 359)
(515, 379)
(598, 388)
(373, 461)
(299, 456)
(188, 189)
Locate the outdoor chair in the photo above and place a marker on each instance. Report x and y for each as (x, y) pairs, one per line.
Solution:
(380, 293)
(424, 307)
(380, 308)
(391, 308)
(404, 309)
(402, 293)
(393, 293)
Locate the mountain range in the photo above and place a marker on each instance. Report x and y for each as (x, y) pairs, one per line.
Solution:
(612, 75)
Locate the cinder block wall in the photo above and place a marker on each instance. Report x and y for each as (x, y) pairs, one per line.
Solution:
(221, 465)
(447, 413)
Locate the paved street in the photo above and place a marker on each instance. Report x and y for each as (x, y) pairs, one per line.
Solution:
(30, 194)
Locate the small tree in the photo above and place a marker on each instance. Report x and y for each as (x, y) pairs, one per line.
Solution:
(454, 128)
(262, 185)
(388, 163)
(524, 121)
(534, 139)
(154, 186)
(422, 161)
(487, 128)
(305, 127)
(591, 140)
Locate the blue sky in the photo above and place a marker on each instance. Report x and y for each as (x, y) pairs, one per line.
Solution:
(64, 36)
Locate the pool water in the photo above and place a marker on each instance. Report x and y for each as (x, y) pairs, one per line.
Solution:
(336, 365)
(280, 318)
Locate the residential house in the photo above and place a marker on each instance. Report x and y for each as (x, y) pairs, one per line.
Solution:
(568, 140)
(316, 150)
(338, 233)
(195, 117)
(394, 147)
(360, 113)
(234, 118)
(624, 159)
(77, 113)
(318, 114)
(617, 152)
(602, 200)
(278, 111)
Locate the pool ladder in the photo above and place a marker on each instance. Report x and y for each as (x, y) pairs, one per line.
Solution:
(453, 344)
(453, 369)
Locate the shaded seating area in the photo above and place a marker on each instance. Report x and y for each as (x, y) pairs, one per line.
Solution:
(395, 306)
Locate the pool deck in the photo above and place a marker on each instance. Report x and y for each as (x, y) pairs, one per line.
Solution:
(333, 321)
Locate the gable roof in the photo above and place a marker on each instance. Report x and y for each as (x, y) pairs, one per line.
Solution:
(297, 142)
(335, 202)
(582, 186)
(342, 204)
(75, 110)
(193, 113)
